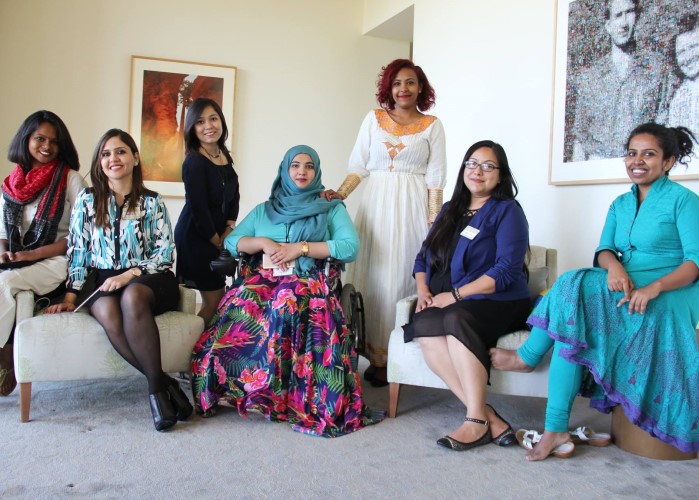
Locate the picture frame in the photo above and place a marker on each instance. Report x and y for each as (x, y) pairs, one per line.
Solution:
(160, 92)
(594, 111)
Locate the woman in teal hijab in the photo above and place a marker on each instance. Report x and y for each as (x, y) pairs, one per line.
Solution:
(278, 343)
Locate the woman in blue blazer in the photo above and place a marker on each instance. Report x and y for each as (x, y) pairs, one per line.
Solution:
(472, 288)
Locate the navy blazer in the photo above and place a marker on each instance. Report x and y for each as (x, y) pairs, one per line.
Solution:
(498, 250)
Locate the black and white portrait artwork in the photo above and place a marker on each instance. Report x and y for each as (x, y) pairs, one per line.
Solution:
(620, 63)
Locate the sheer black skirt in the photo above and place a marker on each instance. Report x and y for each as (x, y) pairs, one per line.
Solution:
(477, 324)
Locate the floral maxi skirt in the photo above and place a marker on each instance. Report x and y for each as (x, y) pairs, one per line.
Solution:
(279, 346)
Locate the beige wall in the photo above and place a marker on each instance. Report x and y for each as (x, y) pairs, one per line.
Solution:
(305, 72)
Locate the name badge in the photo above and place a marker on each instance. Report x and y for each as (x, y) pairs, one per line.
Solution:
(129, 215)
(470, 232)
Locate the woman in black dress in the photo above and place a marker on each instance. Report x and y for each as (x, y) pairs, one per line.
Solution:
(211, 202)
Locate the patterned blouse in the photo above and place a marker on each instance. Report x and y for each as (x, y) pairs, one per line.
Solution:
(144, 238)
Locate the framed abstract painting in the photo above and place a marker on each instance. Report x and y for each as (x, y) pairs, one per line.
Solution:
(161, 91)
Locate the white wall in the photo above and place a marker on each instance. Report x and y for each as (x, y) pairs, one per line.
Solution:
(491, 63)
(305, 72)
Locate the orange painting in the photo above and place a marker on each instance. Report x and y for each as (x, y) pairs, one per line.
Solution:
(166, 97)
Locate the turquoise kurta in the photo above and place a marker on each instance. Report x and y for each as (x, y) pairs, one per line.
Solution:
(649, 363)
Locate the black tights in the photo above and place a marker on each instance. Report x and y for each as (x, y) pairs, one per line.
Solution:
(130, 325)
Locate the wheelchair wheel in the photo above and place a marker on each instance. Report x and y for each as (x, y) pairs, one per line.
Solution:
(352, 305)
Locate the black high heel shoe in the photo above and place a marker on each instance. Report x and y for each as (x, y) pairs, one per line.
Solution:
(506, 437)
(456, 445)
(164, 414)
(179, 399)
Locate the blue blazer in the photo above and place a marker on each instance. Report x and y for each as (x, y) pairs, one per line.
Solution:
(498, 250)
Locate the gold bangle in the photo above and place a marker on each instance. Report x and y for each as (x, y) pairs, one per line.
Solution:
(348, 185)
(434, 204)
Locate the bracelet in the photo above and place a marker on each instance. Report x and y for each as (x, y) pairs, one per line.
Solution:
(304, 248)
(456, 294)
(348, 185)
(434, 204)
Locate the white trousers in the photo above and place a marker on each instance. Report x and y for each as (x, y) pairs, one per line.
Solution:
(40, 278)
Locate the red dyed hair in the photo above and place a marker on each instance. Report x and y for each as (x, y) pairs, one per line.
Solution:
(425, 100)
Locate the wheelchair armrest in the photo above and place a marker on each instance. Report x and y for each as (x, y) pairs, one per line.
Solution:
(405, 308)
(242, 257)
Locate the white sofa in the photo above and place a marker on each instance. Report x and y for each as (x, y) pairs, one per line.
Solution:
(406, 365)
(73, 346)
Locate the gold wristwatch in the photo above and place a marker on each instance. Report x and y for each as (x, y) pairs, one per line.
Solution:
(136, 271)
(304, 248)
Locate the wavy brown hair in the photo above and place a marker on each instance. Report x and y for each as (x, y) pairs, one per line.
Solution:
(100, 182)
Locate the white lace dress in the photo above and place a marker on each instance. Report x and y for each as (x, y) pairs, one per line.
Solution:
(398, 164)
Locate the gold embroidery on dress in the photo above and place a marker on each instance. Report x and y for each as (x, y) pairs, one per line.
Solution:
(388, 125)
(393, 130)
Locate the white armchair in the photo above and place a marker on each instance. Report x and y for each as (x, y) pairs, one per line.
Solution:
(73, 346)
(406, 365)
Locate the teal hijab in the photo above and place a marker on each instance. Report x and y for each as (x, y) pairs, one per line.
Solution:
(290, 204)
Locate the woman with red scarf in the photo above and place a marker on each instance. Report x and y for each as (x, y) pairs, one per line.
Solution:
(35, 207)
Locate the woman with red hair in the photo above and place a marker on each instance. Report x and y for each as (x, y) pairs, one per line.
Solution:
(400, 151)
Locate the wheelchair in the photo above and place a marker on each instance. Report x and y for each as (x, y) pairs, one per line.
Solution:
(351, 300)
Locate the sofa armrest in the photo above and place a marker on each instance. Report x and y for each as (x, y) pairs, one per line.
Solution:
(25, 306)
(188, 300)
(405, 308)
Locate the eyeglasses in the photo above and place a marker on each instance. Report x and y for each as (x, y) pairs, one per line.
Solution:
(485, 167)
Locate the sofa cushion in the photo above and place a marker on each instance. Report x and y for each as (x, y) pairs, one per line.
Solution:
(70, 346)
(538, 280)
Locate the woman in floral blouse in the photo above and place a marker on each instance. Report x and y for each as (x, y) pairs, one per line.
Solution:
(120, 234)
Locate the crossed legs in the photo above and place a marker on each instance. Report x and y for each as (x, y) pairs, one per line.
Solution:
(131, 329)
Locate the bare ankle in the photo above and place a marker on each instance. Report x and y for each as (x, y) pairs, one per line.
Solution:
(508, 360)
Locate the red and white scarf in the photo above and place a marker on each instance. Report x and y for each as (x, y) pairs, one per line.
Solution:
(21, 188)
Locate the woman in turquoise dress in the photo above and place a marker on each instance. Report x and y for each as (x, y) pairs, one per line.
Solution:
(278, 343)
(630, 320)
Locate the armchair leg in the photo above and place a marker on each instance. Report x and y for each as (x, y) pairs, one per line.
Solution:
(25, 399)
(393, 393)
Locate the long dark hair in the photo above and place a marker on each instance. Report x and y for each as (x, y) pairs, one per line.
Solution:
(439, 239)
(100, 182)
(194, 111)
(18, 151)
(674, 141)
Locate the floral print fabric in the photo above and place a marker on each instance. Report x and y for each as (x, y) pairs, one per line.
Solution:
(279, 346)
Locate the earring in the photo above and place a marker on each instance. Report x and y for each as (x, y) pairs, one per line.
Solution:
(135, 164)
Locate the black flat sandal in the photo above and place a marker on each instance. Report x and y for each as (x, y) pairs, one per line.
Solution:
(506, 437)
(456, 445)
